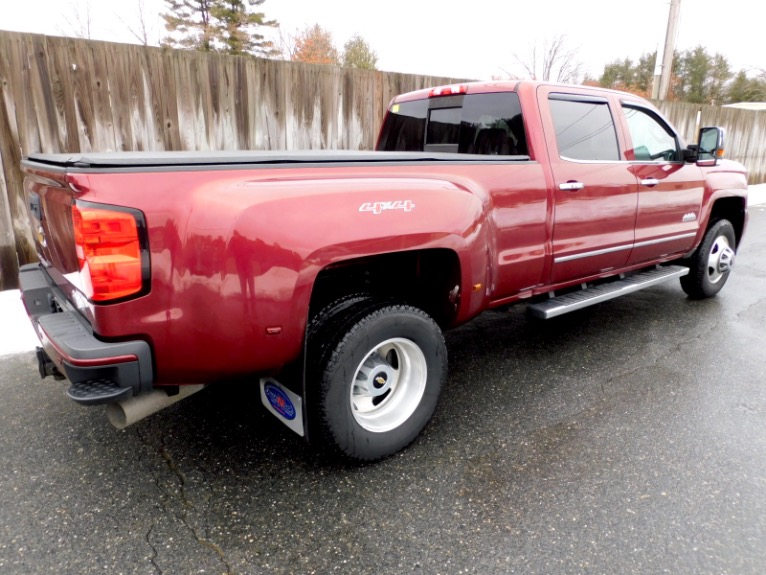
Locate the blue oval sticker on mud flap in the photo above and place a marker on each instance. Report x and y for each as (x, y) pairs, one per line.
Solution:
(279, 401)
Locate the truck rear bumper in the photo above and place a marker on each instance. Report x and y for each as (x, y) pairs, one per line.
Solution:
(100, 372)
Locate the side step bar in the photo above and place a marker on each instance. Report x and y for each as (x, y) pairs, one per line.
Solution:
(573, 301)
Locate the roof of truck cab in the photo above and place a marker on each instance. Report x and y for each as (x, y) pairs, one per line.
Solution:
(505, 86)
(469, 86)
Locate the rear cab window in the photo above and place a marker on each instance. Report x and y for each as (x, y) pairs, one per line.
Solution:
(487, 124)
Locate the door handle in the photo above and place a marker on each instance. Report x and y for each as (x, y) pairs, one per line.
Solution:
(571, 186)
(650, 182)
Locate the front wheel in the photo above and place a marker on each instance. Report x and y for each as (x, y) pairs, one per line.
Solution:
(380, 384)
(710, 265)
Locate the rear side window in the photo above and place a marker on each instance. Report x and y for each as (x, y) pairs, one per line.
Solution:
(488, 124)
(584, 128)
(404, 129)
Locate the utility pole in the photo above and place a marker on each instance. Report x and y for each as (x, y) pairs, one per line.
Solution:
(663, 71)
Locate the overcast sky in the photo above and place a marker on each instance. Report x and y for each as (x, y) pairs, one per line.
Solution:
(475, 39)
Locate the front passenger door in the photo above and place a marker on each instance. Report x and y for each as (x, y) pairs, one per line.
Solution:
(670, 190)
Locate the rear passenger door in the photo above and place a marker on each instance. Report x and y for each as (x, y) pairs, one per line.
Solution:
(485, 124)
(595, 191)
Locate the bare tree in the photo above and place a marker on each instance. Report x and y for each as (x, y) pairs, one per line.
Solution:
(78, 20)
(286, 43)
(551, 61)
(142, 28)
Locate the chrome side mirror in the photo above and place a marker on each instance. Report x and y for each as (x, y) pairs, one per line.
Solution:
(710, 148)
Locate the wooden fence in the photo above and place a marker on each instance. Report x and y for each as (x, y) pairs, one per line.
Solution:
(745, 131)
(71, 95)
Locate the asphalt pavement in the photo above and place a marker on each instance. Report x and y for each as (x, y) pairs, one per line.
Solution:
(626, 438)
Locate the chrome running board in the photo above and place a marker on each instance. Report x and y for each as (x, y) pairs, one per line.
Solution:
(596, 294)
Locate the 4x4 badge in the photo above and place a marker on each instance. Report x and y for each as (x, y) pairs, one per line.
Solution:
(380, 207)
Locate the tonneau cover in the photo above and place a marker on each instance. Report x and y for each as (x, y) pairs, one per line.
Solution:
(172, 159)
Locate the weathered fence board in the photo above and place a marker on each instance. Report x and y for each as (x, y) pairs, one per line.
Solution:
(69, 95)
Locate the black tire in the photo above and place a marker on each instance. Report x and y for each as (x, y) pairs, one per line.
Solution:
(337, 309)
(323, 329)
(379, 373)
(710, 265)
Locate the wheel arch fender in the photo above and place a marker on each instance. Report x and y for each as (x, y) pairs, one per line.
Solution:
(726, 205)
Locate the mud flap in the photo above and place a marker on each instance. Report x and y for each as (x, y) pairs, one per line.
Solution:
(283, 403)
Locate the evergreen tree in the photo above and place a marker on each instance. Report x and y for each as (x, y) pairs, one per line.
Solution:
(719, 78)
(696, 77)
(746, 89)
(237, 28)
(618, 74)
(693, 72)
(625, 75)
(700, 78)
(644, 73)
(192, 22)
(226, 26)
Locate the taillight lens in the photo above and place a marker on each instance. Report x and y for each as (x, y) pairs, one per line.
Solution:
(108, 249)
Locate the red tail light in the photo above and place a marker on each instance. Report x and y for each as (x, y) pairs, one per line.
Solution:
(108, 245)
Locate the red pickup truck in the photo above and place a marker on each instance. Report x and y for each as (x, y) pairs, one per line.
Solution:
(328, 277)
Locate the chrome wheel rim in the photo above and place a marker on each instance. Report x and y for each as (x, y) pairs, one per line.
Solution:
(388, 385)
(720, 259)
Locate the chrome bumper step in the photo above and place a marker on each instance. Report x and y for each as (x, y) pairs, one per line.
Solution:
(596, 294)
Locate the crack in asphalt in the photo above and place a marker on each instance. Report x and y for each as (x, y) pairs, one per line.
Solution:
(147, 537)
(747, 311)
(675, 348)
(155, 554)
(173, 466)
(185, 502)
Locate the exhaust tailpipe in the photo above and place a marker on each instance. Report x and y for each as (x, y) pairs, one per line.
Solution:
(128, 411)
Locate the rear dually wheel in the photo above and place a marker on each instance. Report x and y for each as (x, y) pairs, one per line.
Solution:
(379, 378)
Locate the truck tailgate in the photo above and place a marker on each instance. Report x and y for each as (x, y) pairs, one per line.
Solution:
(49, 200)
